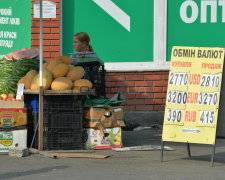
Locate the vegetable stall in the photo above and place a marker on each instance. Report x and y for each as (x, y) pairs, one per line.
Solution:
(69, 116)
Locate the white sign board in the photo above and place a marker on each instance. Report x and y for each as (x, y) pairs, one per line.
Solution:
(49, 9)
(20, 89)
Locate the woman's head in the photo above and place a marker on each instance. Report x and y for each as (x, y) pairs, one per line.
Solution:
(82, 42)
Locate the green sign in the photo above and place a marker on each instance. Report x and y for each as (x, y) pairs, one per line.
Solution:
(15, 25)
(198, 23)
(120, 31)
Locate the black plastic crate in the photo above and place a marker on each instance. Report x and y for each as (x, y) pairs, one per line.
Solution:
(96, 74)
(62, 139)
(32, 102)
(63, 102)
(32, 122)
(63, 119)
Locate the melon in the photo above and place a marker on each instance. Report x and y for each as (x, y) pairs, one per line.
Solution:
(22, 54)
(14, 54)
(60, 70)
(82, 85)
(62, 83)
(45, 65)
(47, 80)
(53, 63)
(76, 73)
(65, 59)
(29, 77)
(22, 80)
(71, 66)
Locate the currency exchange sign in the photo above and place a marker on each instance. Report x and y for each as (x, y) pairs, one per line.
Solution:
(193, 95)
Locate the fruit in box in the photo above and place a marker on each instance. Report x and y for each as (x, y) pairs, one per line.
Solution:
(3, 96)
(9, 97)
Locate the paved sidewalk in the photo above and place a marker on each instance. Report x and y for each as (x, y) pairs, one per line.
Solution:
(130, 165)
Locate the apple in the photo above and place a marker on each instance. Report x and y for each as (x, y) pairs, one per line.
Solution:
(4, 96)
(11, 95)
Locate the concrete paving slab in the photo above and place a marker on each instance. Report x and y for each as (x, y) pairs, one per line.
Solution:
(128, 165)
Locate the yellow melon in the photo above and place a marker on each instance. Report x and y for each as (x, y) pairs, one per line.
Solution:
(45, 65)
(53, 63)
(60, 70)
(47, 80)
(22, 80)
(29, 77)
(82, 85)
(65, 59)
(76, 73)
(62, 83)
(71, 66)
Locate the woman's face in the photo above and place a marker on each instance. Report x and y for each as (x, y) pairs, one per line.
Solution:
(78, 45)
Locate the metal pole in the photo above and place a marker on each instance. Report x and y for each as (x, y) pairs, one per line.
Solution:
(162, 148)
(40, 121)
(213, 153)
(188, 149)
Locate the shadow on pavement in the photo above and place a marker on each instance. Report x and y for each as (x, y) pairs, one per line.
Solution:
(30, 172)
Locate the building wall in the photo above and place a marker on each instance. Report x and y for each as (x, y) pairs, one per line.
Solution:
(144, 91)
(51, 33)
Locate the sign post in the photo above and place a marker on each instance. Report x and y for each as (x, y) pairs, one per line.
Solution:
(193, 96)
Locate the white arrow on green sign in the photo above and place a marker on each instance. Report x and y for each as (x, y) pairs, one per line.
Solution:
(113, 10)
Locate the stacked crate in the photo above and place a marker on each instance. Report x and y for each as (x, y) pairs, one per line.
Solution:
(62, 121)
(96, 74)
(13, 125)
(62, 128)
(32, 104)
(94, 70)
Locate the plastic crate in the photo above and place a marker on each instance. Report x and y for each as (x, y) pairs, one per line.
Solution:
(32, 102)
(62, 139)
(32, 121)
(96, 74)
(63, 102)
(85, 58)
(63, 119)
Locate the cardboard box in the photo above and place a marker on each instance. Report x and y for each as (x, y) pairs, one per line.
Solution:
(11, 104)
(106, 117)
(9, 139)
(13, 118)
(110, 139)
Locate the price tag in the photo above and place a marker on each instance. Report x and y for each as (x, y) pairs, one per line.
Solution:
(207, 117)
(209, 80)
(209, 99)
(178, 97)
(178, 78)
(19, 92)
(174, 115)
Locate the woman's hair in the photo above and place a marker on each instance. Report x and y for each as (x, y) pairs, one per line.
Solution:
(83, 37)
